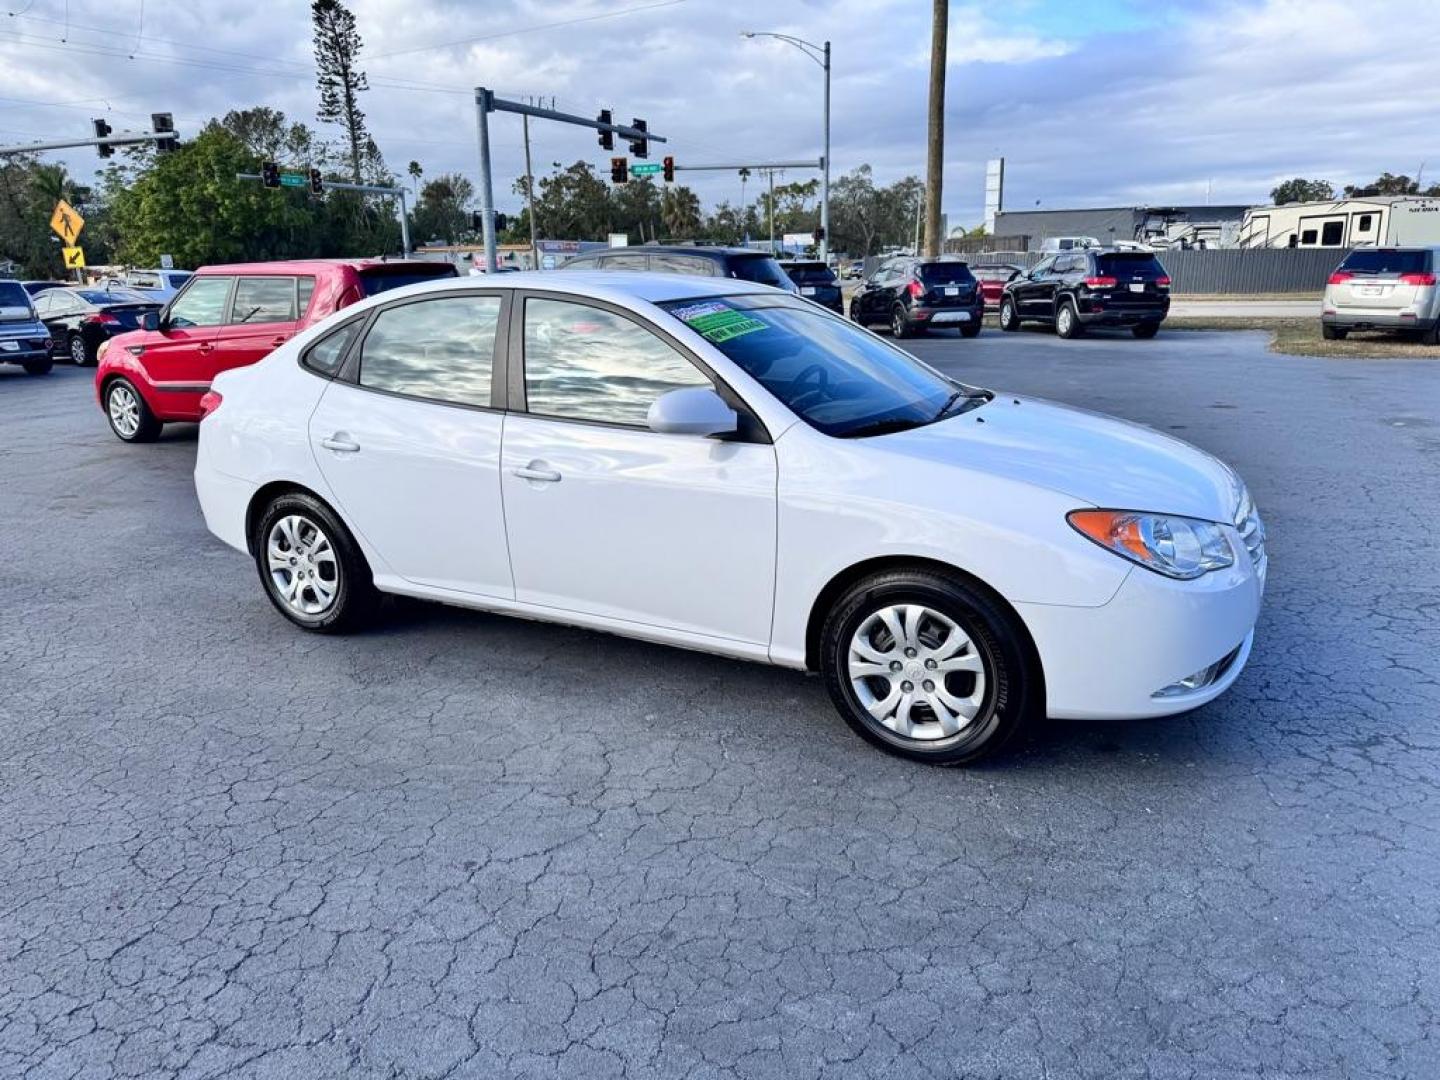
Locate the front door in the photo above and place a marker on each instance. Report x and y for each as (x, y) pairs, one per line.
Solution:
(411, 447)
(178, 358)
(1034, 294)
(606, 517)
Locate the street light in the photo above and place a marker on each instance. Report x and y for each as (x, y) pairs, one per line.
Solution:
(821, 55)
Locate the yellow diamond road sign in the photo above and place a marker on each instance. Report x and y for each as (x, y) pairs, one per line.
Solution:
(74, 257)
(67, 222)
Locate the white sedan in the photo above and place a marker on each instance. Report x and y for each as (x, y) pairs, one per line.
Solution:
(721, 466)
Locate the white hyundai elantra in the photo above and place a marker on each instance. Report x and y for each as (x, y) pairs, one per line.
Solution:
(722, 466)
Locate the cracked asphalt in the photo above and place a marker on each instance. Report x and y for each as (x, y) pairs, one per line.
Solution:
(466, 846)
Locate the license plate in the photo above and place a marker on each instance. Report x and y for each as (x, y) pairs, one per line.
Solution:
(1137, 286)
(807, 290)
(1371, 290)
(952, 290)
(10, 346)
(952, 316)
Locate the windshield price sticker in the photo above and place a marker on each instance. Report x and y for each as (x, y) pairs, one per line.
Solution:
(718, 322)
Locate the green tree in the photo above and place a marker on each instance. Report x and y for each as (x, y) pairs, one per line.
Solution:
(1389, 184)
(268, 136)
(416, 172)
(574, 203)
(440, 212)
(637, 210)
(1301, 190)
(680, 213)
(339, 78)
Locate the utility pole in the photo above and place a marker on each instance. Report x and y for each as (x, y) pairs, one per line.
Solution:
(530, 198)
(935, 158)
(771, 206)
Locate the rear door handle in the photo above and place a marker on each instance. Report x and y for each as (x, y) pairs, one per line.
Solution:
(340, 444)
(205, 347)
(537, 470)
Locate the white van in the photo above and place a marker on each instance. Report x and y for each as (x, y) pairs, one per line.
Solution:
(1052, 244)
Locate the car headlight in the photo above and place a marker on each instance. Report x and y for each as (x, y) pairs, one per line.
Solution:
(1178, 547)
(100, 352)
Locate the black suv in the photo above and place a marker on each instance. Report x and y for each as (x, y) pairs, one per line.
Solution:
(1098, 287)
(742, 263)
(817, 282)
(913, 295)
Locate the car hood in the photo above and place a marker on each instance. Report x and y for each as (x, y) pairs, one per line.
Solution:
(1093, 458)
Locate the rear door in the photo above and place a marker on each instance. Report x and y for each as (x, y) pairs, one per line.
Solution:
(263, 316)
(179, 357)
(408, 440)
(949, 287)
(1135, 280)
(1384, 281)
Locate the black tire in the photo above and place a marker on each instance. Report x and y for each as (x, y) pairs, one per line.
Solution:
(900, 323)
(1067, 320)
(146, 427)
(970, 329)
(353, 597)
(855, 312)
(38, 367)
(78, 351)
(1009, 320)
(1431, 336)
(1145, 330)
(1011, 694)
(1332, 333)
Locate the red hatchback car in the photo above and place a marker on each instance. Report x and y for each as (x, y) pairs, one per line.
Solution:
(226, 317)
(993, 278)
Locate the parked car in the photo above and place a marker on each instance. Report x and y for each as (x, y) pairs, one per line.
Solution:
(1384, 289)
(1098, 287)
(35, 288)
(744, 473)
(1052, 244)
(993, 278)
(158, 284)
(914, 295)
(743, 264)
(23, 337)
(227, 317)
(81, 320)
(818, 282)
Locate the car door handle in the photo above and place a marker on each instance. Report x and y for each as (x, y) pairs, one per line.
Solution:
(278, 341)
(537, 470)
(340, 444)
(205, 347)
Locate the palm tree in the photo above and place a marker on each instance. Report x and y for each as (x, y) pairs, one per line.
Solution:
(415, 172)
(680, 213)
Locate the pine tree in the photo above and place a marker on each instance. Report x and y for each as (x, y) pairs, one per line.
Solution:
(340, 80)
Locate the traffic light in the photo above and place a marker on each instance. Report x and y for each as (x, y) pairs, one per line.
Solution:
(669, 171)
(501, 223)
(317, 182)
(270, 174)
(477, 221)
(607, 138)
(162, 123)
(619, 170)
(102, 129)
(639, 147)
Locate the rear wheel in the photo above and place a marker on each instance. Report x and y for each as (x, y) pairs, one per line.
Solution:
(1332, 333)
(1145, 330)
(311, 567)
(970, 329)
(899, 324)
(79, 354)
(130, 418)
(1431, 336)
(928, 667)
(1009, 321)
(1067, 322)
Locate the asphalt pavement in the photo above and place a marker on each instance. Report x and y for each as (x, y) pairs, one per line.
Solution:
(467, 846)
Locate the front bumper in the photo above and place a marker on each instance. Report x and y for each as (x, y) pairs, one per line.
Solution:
(1116, 661)
(1346, 320)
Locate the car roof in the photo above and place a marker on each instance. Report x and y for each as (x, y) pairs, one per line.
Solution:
(310, 266)
(614, 285)
(672, 249)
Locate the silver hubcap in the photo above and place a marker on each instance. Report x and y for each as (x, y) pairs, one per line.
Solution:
(1007, 313)
(302, 565)
(916, 672)
(77, 350)
(124, 411)
(1065, 318)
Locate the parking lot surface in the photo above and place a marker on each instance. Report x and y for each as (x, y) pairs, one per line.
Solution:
(463, 845)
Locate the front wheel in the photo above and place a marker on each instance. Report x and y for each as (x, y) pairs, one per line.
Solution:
(929, 667)
(311, 567)
(1067, 323)
(130, 418)
(1145, 331)
(1009, 321)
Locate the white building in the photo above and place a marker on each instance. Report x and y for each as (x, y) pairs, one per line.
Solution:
(1380, 220)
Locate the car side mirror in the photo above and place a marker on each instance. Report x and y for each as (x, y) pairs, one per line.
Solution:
(694, 411)
(150, 320)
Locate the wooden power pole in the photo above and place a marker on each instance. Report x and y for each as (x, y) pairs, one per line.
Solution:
(935, 160)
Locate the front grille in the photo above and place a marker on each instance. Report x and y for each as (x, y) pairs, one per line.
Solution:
(1252, 532)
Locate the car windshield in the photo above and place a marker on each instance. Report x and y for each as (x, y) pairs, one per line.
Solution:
(14, 302)
(838, 378)
(1386, 261)
(809, 273)
(945, 273)
(759, 268)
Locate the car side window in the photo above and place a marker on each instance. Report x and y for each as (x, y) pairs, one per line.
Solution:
(327, 354)
(1043, 267)
(202, 303)
(42, 303)
(264, 300)
(306, 291)
(587, 363)
(623, 262)
(441, 349)
(681, 264)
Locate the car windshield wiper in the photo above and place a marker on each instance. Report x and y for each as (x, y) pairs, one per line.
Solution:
(973, 399)
(879, 427)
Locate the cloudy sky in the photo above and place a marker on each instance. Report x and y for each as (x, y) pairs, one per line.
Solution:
(1092, 103)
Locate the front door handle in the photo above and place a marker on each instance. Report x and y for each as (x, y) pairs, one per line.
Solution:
(537, 470)
(340, 443)
(205, 347)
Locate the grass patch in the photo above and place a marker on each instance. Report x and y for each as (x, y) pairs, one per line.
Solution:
(1301, 337)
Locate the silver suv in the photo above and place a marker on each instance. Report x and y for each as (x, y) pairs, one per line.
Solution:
(1384, 289)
